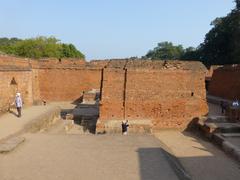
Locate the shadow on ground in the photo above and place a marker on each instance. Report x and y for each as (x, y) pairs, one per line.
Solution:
(84, 115)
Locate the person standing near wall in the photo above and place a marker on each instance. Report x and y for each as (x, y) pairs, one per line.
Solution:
(18, 103)
(125, 127)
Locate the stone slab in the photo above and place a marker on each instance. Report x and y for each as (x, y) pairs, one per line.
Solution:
(10, 144)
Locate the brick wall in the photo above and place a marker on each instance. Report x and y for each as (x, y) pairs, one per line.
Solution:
(225, 82)
(65, 84)
(8, 88)
(112, 94)
(48, 79)
(170, 94)
(170, 98)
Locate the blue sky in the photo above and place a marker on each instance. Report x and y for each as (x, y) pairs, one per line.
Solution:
(112, 28)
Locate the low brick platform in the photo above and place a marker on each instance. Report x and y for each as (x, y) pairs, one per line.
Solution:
(33, 119)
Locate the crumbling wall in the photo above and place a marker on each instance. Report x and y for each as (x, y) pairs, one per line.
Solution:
(168, 94)
(225, 82)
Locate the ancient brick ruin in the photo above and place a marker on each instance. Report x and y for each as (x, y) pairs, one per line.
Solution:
(225, 82)
(161, 94)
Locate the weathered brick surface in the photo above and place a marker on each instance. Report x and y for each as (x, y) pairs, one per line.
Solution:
(169, 94)
(225, 82)
(49, 79)
(8, 90)
(67, 84)
(112, 94)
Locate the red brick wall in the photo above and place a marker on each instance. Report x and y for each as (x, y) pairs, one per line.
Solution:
(47, 79)
(13, 61)
(66, 84)
(164, 96)
(225, 82)
(112, 94)
(8, 91)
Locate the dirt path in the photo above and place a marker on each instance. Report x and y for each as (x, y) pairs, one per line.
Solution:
(10, 124)
(201, 159)
(87, 157)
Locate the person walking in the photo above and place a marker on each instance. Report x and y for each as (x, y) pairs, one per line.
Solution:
(18, 103)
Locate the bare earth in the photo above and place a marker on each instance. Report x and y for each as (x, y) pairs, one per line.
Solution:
(201, 159)
(76, 157)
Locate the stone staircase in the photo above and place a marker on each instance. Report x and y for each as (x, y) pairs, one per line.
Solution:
(222, 132)
(91, 97)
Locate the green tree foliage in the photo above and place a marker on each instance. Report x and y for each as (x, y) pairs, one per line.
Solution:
(7, 45)
(221, 44)
(40, 47)
(165, 50)
(168, 51)
(191, 53)
(69, 50)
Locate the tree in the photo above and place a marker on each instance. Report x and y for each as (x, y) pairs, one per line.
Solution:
(69, 50)
(40, 47)
(191, 53)
(6, 45)
(237, 4)
(221, 44)
(166, 50)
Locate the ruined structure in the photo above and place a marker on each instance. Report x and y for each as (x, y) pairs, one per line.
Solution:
(168, 94)
(160, 94)
(225, 82)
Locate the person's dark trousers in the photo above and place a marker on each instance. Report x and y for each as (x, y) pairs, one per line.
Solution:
(19, 109)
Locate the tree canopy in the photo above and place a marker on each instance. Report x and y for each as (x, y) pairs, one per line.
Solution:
(221, 44)
(169, 51)
(165, 50)
(39, 47)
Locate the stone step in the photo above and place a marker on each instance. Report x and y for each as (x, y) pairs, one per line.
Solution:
(220, 119)
(10, 144)
(231, 134)
(209, 128)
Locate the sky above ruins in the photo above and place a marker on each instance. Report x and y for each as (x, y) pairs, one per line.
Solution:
(112, 28)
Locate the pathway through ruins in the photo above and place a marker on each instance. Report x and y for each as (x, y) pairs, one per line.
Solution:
(54, 153)
(75, 157)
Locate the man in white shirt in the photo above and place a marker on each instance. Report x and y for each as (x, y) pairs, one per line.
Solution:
(18, 103)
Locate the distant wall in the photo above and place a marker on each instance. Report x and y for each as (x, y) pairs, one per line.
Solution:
(225, 82)
(66, 84)
(49, 79)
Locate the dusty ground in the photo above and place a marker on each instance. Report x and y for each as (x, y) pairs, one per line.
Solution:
(56, 155)
(201, 159)
(10, 123)
(87, 157)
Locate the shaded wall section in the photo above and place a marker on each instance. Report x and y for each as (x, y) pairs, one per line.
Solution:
(225, 82)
